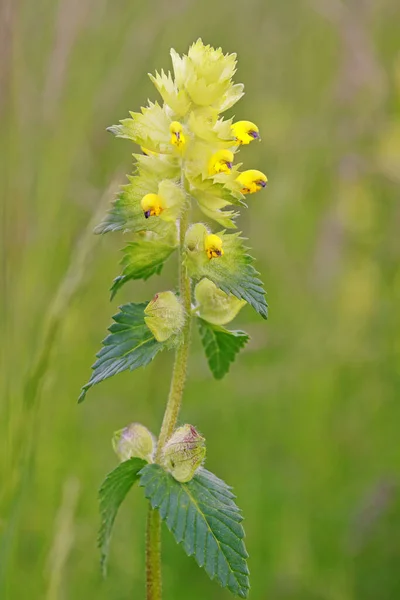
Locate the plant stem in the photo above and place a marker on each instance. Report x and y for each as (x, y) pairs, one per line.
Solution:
(153, 541)
(182, 352)
(153, 555)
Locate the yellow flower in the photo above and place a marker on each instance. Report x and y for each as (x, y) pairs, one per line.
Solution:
(220, 162)
(177, 137)
(252, 181)
(213, 246)
(245, 132)
(152, 205)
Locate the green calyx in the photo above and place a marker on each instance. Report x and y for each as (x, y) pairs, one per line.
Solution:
(134, 441)
(165, 316)
(184, 453)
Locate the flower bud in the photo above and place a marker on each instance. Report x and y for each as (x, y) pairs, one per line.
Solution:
(214, 305)
(165, 316)
(184, 453)
(135, 440)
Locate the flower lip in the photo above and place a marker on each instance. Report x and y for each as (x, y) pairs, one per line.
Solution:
(213, 246)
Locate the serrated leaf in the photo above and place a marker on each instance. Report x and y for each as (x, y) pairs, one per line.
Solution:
(141, 260)
(220, 346)
(233, 272)
(111, 495)
(203, 516)
(130, 345)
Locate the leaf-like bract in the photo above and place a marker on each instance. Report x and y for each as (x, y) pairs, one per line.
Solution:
(221, 346)
(233, 272)
(203, 516)
(111, 495)
(142, 259)
(130, 345)
(126, 213)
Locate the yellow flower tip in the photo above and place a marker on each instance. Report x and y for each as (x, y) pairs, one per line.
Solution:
(220, 162)
(252, 181)
(177, 137)
(245, 132)
(213, 246)
(152, 205)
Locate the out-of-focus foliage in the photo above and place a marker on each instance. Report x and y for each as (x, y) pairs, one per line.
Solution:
(310, 413)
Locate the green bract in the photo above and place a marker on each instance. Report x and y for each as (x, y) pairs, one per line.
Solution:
(185, 153)
(233, 272)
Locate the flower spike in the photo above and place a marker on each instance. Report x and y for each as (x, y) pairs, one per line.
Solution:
(185, 153)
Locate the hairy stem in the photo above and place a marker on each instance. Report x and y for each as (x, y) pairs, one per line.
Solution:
(153, 542)
(182, 352)
(153, 555)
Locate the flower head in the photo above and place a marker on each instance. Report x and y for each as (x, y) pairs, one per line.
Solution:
(177, 136)
(245, 132)
(135, 440)
(152, 205)
(252, 181)
(165, 316)
(184, 453)
(220, 162)
(213, 246)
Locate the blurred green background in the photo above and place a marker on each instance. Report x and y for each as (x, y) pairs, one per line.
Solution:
(306, 425)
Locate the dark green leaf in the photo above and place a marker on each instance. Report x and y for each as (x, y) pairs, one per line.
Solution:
(220, 346)
(111, 495)
(130, 345)
(203, 516)
(141, 260)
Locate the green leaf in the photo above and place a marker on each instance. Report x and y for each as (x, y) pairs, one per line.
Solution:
(203, 516)
(233, 272)
(141, 260)
(111, 495)
(220, 346)
(130, 345)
